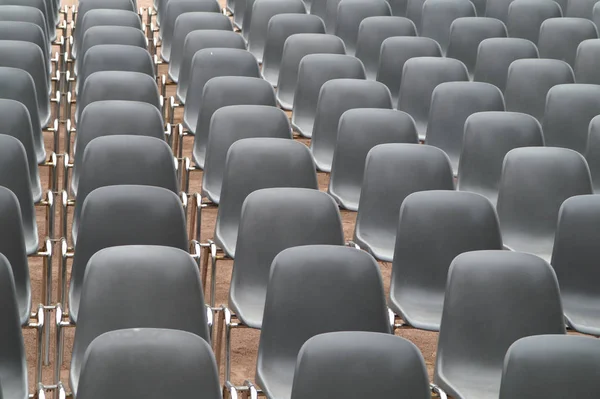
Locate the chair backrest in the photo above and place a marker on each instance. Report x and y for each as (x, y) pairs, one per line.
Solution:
(183, 362)
(596, 15)
(372, 364)
(467, 33)
(488, 137)
(350, 15)
(336, 97)
(329, 288)
(233, 123)
(528, 82)
(420, 76)
(124, 215)
(525, 17)
(274, 219)
(414, 12)
(484, 288)
(434, 227)
(395, 51)
(451, 104)
(495, 55)
(592, 152)
(438, 16)
(27, 32)
(580, 9)
(39, 5)
(372, 32)
(359, 130)
(588, 52)
(552, 366)
(137, 286)
(254, 164)
(392, 172)
(559, 37)
(535, 182)
(24, 13)
(314, 71)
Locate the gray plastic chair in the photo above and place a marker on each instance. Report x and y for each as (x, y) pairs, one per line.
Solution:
(535, 182)
(184, 25)
(233, 123)
(254, 164)
(585, 68)
(104, 118)
(434, 227)
(398, 7)
(130, 287)
(569, 110)
(174, 9)
(559, 37)
(118, 85)
(336, 97)
(466, 35)
(552, 366)
(525, 17)
(528, 82)
(488, 137)
(22, 13)
(451, 104)
(486, 292)
(372, 32)
(414, 12)
(580, 9)
(596, 15)
(123, 159)
(16, 84)
(392, 172)
(420, 76)
(40, 5)
(220, 92)
(27, 32)
(438, 16)
(359, 130)
(124, 215)
(592, 152)
(330, 289)
(374, 365)
(395, 51)
(262, 12)
(200, 40)
(210, 63)
(573, 259)
(314, 71)
(279, 28)
(495, 55)
(350, 15)
(295, 48)
(183, 362)
(274, 219)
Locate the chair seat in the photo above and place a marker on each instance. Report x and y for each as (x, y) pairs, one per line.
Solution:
(251, 313)
(478, 383)
(226, 240)
(581, 313)
(421, 309)
(381, 245)
(346, 197)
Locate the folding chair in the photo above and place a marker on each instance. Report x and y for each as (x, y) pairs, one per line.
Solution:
(525, 17)
(559, 37)
(438, 16)
(592, 151)
(588, 52)
(349, 16)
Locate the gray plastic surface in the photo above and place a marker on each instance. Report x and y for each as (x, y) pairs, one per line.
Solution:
(351, 13)
(592, 152)
(22, 13)
(586, 70)
(580, 9)
(559, 37)
(525, 17)
(438, 16)
(27, 32)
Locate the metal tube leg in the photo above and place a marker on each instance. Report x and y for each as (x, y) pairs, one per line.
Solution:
(204, 267)
(48, 298)
(219, 338)
(213, 282)
(227, 351)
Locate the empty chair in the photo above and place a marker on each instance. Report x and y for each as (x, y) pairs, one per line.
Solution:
(372, 32)
(375, 364)
(233, 123)
(528, 82)
(200, 40)
(130, 287)
(174, 9)
(592, 152)
(559, 37)
(22, 13)
(434, 227)
(295, 48)
(420, 76)
(183, 362)
(314, 71)
(318, 306)
(351, 13)
(495, 55)
(555, 366)
(40, 5)
(395, 51)
(580, 9)
(438, 16)
(467, 33)
(484, 290)
(525, 17)
(392, 172)
(488, 137)
(220, 92)
(336, 97)
(262, 12)
(28, 32)
(359, 130)
(569, 110)
(535, 182)
(184, 25)
(451, 104)
(279, 28)
(586, 58)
